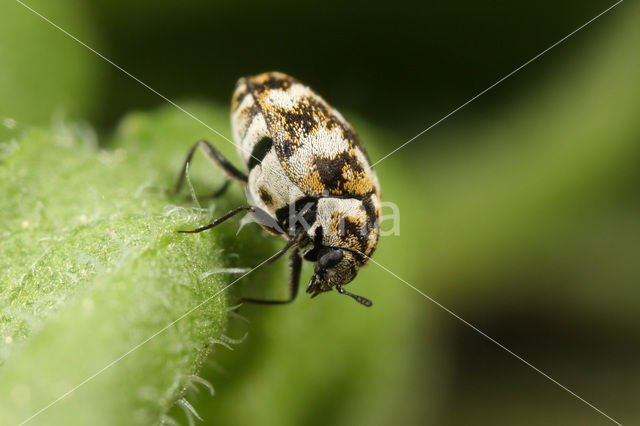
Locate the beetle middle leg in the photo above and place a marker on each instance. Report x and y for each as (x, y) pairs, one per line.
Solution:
(295, 266)
(261, 216)
(215, 156)
(218, 221)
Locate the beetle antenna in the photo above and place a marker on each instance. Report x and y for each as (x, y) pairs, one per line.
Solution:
(362, 300)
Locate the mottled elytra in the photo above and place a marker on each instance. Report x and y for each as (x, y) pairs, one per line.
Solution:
(306, 177)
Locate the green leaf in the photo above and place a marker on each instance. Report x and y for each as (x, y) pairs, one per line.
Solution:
(91, 267)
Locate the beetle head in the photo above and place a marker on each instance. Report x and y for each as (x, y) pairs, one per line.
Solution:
(335, 267)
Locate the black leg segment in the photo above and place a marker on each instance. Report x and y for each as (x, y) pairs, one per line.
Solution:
(292, 241)
(261, 216)
(218, 221)
(295, 266)
(219, 192)
(212, 154)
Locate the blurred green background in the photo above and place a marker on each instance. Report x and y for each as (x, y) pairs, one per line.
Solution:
(520, 213)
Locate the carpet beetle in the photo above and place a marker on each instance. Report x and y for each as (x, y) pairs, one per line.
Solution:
(307, 178)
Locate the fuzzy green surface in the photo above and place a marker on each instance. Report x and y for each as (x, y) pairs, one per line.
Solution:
(91, 266)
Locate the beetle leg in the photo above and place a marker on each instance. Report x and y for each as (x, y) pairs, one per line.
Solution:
(295, 266)
(292, 241)
(262, 217)
(214, 155)
(219, 192)
(220, 219)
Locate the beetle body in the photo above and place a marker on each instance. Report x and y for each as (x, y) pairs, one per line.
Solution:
(308, 177)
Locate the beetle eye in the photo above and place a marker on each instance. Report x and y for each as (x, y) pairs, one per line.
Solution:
(328, 257)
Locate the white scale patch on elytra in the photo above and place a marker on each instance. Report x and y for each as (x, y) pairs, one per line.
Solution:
(240, 119)
(324, 143)
(270, 177)
(290, 98)
(256, 131)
